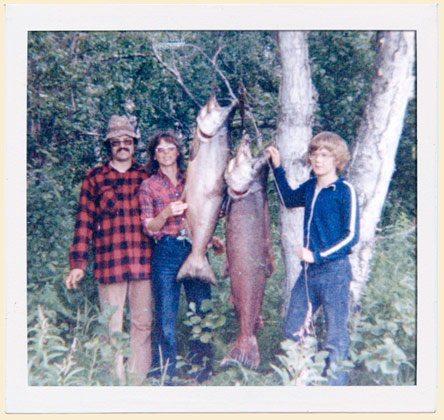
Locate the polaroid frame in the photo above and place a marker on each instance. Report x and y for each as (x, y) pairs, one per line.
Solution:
(21, 398)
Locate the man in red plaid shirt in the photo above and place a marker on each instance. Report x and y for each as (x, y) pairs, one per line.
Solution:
(109, 216)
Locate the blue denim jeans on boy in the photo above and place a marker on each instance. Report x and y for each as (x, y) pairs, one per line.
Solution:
(168, 256)
(328, 285)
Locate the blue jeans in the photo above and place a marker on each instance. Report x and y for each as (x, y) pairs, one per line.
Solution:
(328, 285)
(168, 256)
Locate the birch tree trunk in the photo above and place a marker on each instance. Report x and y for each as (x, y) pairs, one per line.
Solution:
(297, 102)
(373, 157)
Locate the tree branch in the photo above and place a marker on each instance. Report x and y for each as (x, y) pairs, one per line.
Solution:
(90, 133)
(395, 235)
(213, 62)
(176, 74)
(256, 129)
(124, 56)
(172, 117)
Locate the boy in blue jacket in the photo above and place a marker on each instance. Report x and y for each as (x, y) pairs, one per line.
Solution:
(331, 228)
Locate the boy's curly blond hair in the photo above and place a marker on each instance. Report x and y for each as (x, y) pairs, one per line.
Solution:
(335, 144)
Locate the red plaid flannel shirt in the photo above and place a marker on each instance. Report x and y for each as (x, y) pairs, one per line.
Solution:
(109, 215)
(155, 194)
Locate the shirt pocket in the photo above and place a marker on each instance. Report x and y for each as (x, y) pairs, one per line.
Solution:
(108, 201)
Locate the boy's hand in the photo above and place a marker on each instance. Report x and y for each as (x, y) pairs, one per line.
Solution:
(304, 254)
(274, 155)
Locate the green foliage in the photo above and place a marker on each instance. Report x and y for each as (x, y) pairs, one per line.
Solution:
(302, 364)
(205, 326)
(342, 65)
(49, 360)
(84, 357)
(384, 344)
(402, 195)
(77, 80)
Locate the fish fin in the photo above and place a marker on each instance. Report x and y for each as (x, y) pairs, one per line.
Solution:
(194, 149)
(259, 323)
(197, 267)
(245, 350)
(217, 245)
(225, 269)
(270, 262)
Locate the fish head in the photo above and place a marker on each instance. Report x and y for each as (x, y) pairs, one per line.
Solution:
(243, 170)
(212, 117)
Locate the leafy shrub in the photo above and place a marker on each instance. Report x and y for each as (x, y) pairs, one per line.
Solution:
(302, 364)
(384, 344)
(84, 358)
(73, 90)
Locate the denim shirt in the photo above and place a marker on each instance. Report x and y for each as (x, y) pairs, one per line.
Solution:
(331, 217)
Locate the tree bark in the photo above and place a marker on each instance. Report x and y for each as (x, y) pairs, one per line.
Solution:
(373, 157)
(297, 102)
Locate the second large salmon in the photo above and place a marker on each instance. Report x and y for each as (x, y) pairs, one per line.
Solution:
(248, 248)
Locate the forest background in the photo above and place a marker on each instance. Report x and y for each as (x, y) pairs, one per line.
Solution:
(77, 80)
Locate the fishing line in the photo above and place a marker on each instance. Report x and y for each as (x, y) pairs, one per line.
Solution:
(241, 102)
(276, 184)
(309, 313)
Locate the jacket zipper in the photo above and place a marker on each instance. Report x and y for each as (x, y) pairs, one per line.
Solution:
(315, 196)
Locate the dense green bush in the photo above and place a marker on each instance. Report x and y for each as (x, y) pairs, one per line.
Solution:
(384, 344)
(77, 80)
(69, 344)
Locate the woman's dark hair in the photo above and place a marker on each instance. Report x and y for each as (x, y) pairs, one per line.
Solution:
(152, 165)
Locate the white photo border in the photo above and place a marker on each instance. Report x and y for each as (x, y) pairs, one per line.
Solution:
(21, 398)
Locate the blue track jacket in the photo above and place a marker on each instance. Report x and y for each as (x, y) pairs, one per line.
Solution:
(331, 219)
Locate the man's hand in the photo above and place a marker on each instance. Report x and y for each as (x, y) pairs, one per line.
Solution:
(274, 155)
(304, 254)
(74, 276)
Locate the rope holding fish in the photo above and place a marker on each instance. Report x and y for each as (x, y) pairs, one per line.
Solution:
(241, 102)
(309, 314)
(276, 184)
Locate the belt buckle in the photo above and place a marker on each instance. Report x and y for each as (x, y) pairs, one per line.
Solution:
(182, 236)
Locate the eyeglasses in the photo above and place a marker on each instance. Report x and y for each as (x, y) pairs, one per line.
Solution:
(126, 142)
(322, 155)
(164, 149)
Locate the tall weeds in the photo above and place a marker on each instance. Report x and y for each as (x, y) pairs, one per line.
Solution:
(69, 343)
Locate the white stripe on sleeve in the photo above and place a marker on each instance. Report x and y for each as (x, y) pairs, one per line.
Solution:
(352, 227)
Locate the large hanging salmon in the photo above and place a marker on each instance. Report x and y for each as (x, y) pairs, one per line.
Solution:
(203, 191)
(248, 248)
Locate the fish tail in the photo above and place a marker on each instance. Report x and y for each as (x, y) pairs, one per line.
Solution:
(245, 350)
(197, 267)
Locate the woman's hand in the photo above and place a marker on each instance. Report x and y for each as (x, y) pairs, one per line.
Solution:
(175, 208)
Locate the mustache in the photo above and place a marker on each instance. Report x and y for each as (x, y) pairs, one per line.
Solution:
(123, 148)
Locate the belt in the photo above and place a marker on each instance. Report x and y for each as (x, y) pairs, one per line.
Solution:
(181, 238)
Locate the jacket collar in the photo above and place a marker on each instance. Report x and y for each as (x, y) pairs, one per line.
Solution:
(332, 185)
(135, 166)
(180, 174)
